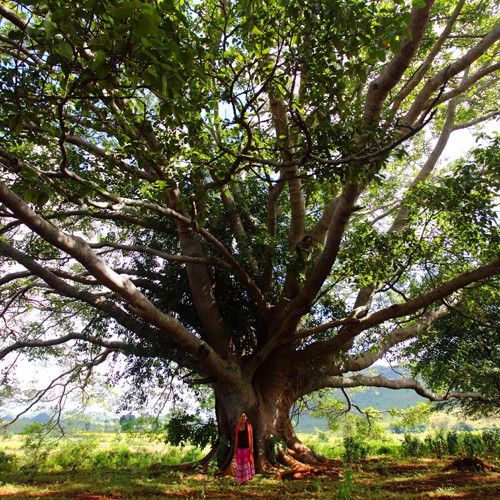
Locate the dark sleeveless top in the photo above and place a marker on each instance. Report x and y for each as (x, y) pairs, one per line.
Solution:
(243, 438)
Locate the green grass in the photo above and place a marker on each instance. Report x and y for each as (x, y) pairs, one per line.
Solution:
(385, 478)
(119, 466)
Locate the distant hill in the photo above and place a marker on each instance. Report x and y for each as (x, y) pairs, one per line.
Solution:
(378, 398)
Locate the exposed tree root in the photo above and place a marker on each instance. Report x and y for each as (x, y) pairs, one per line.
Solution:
(158, 469)
(332, 470)
(313, 466)
(471, 464)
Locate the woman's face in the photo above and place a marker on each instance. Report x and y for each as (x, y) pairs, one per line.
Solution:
(243, 418)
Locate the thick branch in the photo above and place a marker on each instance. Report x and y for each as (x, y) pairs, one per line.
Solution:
(379, 381)
(422, 100)
(14, 18)
(137, 303)
(422, 70)
(379, 89)
(400, 310)
(324, 263)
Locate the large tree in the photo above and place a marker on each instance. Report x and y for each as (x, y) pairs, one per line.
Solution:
(249, 195)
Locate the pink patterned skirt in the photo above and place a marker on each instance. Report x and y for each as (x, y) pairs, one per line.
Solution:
(245, 469)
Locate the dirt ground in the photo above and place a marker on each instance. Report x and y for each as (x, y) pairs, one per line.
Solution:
(371, 479)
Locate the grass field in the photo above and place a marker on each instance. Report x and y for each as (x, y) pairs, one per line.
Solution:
(381, 478)
(120, 467)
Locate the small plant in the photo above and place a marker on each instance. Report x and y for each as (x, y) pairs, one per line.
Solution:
(355, 449)
(275, 446)
(491, 440)
(412, 446)
(8, 463)
(472, 444)
(452, 443)
(348, 487)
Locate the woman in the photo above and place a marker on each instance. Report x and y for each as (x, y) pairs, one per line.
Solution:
(243, 450)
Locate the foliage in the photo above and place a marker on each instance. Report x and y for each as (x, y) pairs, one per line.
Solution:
(355, 449)
(412, 418)
(8, 463)
(37, 446)
(248, 197)
(412, 446)
(182, 428)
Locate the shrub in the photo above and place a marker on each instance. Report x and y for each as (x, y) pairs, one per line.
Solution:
(437, 444)
(452, 443)
(412, 446)
(385, 450)
(491, 440)
(74, 455)
(355, 449)
(472, 444)
(8, 463)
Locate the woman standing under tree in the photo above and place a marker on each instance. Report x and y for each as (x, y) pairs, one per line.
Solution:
(243, 450)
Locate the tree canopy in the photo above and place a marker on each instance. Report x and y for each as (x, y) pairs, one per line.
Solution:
(252, 196)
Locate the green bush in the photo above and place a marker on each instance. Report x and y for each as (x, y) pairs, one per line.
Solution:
(74, 455)
(355, 449)
(412, 446)
(8, 463)
(472, 444)
(385, 450)
(491, 440)
(437, 444)
(452, 443)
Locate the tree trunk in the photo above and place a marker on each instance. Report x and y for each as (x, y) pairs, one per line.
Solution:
(268, 402)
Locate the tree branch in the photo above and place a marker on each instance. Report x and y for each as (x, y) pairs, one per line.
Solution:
(379, 89)
(424, 67)
(394, 311)
(379, 381)
(432, 84)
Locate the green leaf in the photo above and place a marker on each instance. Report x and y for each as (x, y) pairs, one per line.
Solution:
(65, 49)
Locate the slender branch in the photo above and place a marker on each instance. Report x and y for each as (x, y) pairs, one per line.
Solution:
(172, 258)
(465, 85)
(476, 121)
(19, 345)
